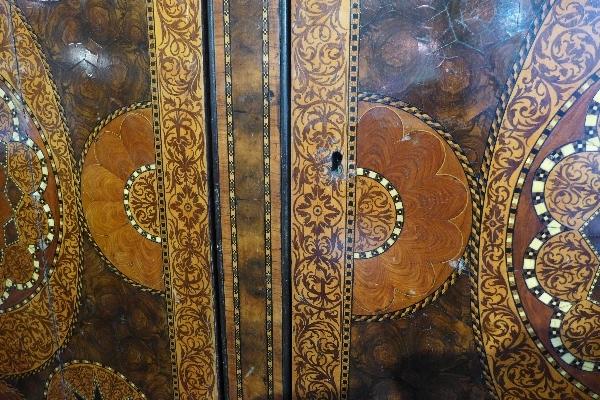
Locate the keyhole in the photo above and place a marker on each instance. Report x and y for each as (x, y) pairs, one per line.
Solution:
(336, 161)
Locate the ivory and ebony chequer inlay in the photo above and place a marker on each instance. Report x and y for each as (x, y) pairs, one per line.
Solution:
(537, 282)
(384, 203)
(125, 311)
(246, 63)
(40, 239)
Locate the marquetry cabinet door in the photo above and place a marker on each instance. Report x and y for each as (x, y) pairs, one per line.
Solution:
(299, 199)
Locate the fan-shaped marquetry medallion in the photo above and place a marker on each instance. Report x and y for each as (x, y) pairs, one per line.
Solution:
(414, 209)
(118, 189)
(84, 380)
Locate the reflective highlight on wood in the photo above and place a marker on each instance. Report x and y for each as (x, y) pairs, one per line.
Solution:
(537, 267)
(304, 199)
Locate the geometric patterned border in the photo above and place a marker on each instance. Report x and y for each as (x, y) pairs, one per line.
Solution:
(492, 138)
(64, 285)
(236, 346)
(393, 193)
(550, 230)
(18, 137)
(553, 227)
(596, 280)
(504, 339)
(233, 245)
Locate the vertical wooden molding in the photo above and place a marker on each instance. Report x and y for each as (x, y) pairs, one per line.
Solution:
(324, 71)
(175, 33)
(246, 64)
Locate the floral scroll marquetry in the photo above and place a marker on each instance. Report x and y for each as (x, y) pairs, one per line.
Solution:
(178, 115)
(536, 274)
(41, 238)
(324, 59)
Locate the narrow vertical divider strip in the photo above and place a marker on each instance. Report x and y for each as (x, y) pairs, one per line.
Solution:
(214, 198)
(267, 194)
(232, 198)
(190, 312)
(161, 192)
(350, 193)
(285, 136)
(321, 240)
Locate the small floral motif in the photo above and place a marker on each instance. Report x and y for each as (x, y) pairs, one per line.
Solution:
(188, 207)
(318, 210)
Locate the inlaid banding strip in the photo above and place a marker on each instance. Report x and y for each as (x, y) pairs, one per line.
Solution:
(399, 214)
(127, 203)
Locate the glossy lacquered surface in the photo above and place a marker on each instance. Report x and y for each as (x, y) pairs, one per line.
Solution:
(434, 233)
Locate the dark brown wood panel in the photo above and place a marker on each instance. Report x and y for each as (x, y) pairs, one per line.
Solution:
(451, 60)
(247, 95)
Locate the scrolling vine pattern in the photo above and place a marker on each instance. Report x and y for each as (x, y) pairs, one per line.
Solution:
(175, 33)
(324, 58)
(560, 60)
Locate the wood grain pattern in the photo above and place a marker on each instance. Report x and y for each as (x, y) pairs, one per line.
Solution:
(436, 198)
(429, 355)
(115, 150)
(246, 63)
(98, 53)
(449, 58)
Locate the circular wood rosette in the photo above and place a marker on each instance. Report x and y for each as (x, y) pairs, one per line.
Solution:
(415, 198)
(538, 294)
(120, 198)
